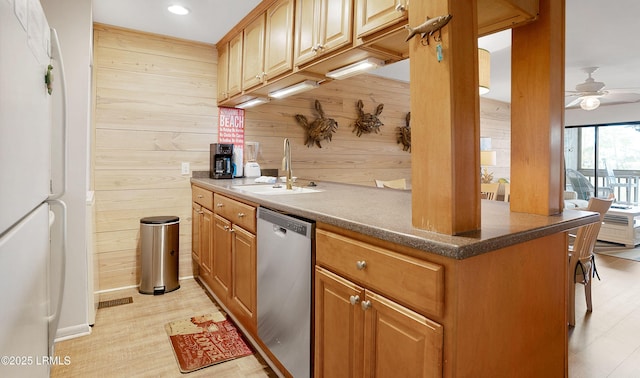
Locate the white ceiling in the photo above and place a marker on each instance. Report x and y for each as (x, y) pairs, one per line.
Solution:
(599, 33)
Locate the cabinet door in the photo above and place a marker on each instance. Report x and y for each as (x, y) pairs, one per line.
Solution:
(234, 78)
(243, 272)
(399, 342)
(374, 15)
(339, 327)
(253, 54)
(278, 57)
(205, 241)
(196, 216)
(335, 24)
(307, 29)
(223, 72)
(221, 260)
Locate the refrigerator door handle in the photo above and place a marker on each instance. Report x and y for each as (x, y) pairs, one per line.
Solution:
(57, 54)
(54, 317)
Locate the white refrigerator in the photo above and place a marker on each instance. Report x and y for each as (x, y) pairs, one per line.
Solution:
(31, 267)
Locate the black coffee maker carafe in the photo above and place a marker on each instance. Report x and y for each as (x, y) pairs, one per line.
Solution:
(221, 161)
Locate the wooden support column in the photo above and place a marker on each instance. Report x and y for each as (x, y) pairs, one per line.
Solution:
(537, 112)
(445, 121)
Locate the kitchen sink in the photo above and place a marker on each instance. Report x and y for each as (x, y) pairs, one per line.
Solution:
(270, 189)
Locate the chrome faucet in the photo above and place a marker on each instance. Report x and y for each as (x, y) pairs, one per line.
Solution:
(286, 163)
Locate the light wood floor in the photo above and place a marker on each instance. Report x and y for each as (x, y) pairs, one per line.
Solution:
(130, 341)
(606, 342)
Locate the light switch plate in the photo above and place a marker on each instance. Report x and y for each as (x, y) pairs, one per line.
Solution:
(185, 168)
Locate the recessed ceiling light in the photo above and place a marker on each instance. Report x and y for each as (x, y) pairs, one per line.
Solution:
(178, 9)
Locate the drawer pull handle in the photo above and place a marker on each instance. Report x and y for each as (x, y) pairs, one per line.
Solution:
(361, 264)
(354, 299)
(365, 305)
(200, 196)
(240, 215)
(219, 205)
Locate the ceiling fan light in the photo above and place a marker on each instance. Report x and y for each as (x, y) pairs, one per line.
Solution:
(590, 103)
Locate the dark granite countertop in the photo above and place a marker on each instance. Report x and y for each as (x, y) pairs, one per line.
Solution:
(386, 214)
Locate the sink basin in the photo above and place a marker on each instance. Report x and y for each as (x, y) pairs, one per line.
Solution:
(269, 189)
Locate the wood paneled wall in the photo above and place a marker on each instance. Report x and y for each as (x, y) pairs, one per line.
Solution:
(155, 107)
(347, 157)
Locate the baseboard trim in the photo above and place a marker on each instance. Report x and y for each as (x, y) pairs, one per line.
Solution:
(72, 332)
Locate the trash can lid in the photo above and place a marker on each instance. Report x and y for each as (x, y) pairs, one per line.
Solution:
(162, 219)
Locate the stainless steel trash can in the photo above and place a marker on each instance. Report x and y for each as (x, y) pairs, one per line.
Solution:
(159, 247)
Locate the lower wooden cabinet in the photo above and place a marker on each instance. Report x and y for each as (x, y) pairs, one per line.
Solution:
(224, 250)
(221, 257)
(361, 333)
(201, 240)
(242, 296)
(234, 256)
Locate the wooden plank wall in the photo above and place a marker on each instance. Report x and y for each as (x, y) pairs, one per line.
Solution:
(155, 108)
(349, 158)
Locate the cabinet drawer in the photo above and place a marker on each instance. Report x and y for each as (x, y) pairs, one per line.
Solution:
(202, 196)
(416, 283)
(237, 212)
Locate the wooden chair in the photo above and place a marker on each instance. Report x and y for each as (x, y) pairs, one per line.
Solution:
(489, 191)
(393, 184)
(507, 192)
(581, 259)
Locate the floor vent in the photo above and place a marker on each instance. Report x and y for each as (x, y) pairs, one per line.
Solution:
(115, 302)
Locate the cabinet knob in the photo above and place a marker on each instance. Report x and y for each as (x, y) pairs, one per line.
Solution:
(219, 205)
(226, 228)
(240, 215)
(361, 264)
(401, 7)
(365, 305)
(200, 196)
(354, 299)
(317, 48)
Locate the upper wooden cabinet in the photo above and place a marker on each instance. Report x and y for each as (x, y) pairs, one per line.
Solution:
(253, 54)
(234, 78)
(268, 45)
(278, 54)
(223, 72)
(374, 15)
(282, 42)
(322, 26)
(496, 15)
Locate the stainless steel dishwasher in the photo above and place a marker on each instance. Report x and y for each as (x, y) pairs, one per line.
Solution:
(285, 246)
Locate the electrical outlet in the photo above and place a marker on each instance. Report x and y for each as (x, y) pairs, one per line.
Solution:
(185, 168)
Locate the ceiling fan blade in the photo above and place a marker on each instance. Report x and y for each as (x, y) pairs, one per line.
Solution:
(621, 97)
(574, 102)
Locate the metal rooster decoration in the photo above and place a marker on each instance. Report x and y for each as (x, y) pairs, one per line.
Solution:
(367, 122)
(322, 128)
(404, 134)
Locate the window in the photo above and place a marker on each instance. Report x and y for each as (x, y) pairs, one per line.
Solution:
(601, 150)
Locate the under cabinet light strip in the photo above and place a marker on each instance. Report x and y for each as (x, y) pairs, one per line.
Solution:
(294, 89)
(355, 68)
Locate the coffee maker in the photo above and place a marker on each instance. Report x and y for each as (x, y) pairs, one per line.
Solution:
(221, 161)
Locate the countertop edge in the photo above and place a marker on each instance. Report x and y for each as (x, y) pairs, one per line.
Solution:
(456, 247)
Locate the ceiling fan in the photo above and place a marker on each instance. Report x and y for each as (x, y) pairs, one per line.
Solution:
(591, 93)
